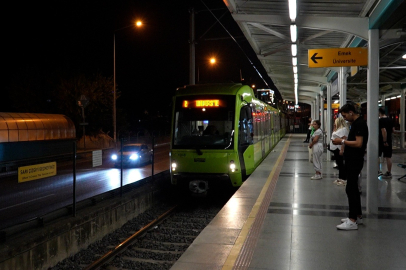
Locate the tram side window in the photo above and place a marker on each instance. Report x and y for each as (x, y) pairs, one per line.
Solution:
(268, 123)
(259, 119)
(246, 131)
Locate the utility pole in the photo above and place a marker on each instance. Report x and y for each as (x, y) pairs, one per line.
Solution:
(192, 59)
(83, 102)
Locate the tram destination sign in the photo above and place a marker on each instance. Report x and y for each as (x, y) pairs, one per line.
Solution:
(337, 57)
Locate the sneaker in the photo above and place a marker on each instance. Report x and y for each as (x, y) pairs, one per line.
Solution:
(380, 173)
(387, 175)
(336, 181)
(348, 225)
(316, 177)
(359, 220)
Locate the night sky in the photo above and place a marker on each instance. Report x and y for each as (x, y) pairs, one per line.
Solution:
(59, 38)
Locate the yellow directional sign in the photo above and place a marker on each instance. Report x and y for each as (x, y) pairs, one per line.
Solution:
(337, 57)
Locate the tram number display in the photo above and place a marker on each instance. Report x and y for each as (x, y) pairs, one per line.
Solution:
(202, 103)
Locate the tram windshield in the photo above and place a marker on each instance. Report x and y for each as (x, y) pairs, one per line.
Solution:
(204, 122)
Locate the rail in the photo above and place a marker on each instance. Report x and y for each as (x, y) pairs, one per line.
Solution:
(123, 246)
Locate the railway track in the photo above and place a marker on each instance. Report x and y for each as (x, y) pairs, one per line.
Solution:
(154, 240)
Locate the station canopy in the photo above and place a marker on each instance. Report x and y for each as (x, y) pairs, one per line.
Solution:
(324, 24)
(19, 127)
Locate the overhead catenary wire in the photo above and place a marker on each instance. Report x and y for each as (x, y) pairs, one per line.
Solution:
(253, 65)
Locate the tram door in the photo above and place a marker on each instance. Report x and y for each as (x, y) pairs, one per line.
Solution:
(245, 135)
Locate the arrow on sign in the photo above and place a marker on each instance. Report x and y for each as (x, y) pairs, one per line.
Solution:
(314, 58)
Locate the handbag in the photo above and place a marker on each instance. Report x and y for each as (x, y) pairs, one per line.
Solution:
(310, 155)
(328, 148)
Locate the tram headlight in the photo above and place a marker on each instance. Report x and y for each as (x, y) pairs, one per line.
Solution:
(173, 165)
(114, 157)
(232, 166)
(134, 157)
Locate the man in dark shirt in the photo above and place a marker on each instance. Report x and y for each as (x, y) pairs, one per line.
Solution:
(385, 141)
(355, 146)
(309, 130)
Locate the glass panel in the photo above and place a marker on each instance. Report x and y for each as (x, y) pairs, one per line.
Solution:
(3, 135)
(40, 126)
(23, 135)
(40, 134)
(13, 136)
(11, 123)
(3, 124)
(245, 127)
(204, 122)
(30, 123)
(32, 135)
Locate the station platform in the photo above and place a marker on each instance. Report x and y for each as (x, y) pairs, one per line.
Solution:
(280, 219)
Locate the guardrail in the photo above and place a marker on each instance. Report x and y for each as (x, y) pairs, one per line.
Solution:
(40, 221)
(67, 166)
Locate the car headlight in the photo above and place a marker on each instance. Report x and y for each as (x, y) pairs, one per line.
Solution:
(133, 156)
(114, 157)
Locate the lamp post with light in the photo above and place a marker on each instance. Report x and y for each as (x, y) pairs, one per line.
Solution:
(137, 24)
(212, 62)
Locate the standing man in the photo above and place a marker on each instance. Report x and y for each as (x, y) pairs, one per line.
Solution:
(385, 141)
(309, 130)
(355, 147)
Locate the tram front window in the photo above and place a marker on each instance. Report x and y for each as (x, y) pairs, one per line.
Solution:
(204, 122)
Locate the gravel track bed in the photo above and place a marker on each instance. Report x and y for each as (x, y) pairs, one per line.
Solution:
(158, 248)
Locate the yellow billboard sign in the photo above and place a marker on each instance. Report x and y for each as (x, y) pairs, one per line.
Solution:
(337, 57)
(38, 171)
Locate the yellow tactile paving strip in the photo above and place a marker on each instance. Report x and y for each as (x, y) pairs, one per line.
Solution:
(242, 251)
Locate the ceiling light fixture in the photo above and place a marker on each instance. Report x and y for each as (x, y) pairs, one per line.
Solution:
(294, 61)
(292, 10)
(293, 32)
(294, 49)
(296, 96)
(293, 37)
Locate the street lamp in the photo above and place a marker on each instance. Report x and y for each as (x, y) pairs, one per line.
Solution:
(137, 24)
(212, 62)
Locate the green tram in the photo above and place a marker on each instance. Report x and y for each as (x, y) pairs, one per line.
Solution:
(220, 133)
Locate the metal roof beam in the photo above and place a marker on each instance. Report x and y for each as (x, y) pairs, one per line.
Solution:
(264, 19)
(350, 25)
(269, 30)
(382, 12)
